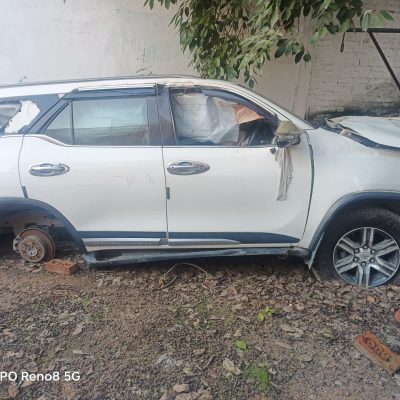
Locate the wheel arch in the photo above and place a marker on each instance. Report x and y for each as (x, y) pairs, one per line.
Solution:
(16, 204)
(384, 199)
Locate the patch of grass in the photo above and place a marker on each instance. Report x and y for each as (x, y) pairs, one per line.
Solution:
(201, 310)
(100, 315)
(229, 317)
(268, 312)
(260, 376)
(224, 312)
(84, 301)
(174, 308)
(201, 313)
(40, 308)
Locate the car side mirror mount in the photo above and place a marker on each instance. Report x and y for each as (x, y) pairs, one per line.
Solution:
(287, 134)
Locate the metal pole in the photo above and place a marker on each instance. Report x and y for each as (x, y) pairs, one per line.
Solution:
(376, 30)
(385, 60)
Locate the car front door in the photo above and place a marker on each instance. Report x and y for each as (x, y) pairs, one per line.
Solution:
(225, 182)
(98, 161)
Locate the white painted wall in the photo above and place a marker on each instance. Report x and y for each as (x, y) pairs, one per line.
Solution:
(63, 39)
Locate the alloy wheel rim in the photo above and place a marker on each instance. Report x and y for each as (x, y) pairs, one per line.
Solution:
(366, 257)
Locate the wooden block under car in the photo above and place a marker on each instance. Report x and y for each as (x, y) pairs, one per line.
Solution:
(61, 266)
(376, 351)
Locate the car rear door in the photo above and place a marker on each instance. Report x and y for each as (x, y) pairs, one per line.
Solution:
(223, 193)
(98, 161)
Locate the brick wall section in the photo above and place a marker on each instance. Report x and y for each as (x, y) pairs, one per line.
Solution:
(356, 81)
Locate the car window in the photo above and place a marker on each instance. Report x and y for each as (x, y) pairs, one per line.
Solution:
(60, 127)
(202, 120)
(102, 122)
(111, 122)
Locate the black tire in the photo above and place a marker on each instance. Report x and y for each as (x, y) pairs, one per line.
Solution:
(378, 218)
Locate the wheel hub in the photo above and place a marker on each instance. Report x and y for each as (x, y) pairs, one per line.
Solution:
(35, 245)
(32, 249)
(366, 257)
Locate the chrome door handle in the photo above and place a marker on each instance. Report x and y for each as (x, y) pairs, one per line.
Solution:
(47, 169)
(187, 168)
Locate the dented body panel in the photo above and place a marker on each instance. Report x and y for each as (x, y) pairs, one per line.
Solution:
(343, 166)
(379, 130)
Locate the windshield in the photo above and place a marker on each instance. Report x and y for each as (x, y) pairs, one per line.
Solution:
(306, 121)
(312, 124)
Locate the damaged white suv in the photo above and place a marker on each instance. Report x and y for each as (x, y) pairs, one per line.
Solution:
(152, 168)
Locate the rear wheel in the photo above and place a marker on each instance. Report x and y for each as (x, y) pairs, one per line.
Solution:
(35, 245)
(361, 248)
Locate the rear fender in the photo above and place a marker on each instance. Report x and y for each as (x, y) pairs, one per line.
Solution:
(14, 204)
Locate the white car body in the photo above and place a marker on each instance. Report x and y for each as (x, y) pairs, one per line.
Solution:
(123, 197)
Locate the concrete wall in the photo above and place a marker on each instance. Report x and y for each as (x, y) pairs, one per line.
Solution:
(357, 79)
(62, 39)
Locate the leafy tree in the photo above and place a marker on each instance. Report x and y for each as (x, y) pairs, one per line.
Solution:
(230, 37)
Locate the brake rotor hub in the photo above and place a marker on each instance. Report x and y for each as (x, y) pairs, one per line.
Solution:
(32, 249)
(35, 245)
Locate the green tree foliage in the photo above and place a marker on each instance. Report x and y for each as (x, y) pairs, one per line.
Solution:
(227, 38)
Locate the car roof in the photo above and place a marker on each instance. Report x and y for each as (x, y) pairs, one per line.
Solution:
(66, 86)
(102, 78)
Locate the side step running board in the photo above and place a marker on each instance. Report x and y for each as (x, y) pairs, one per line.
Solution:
(113, 258)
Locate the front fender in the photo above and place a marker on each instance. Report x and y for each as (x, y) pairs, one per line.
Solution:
(368, 198)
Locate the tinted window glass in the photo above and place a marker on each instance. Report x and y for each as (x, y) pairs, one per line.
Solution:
(60, 127)
(111, 122)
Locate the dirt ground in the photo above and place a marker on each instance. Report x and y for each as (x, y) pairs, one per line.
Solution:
(252, 328)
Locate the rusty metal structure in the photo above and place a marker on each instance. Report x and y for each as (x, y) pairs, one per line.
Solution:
(371, 32)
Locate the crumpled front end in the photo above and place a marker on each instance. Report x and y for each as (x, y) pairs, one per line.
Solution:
(374, 132)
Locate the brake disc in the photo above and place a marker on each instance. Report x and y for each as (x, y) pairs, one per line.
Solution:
(35, 245)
